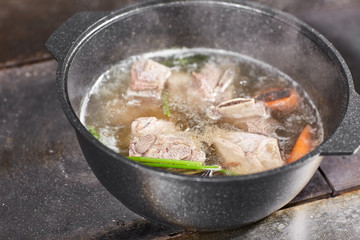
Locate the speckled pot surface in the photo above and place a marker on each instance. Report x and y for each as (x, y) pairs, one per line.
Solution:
(89, 43)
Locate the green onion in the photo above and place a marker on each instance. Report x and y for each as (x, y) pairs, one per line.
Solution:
(163, 160)
(166, 103)
(173, 163)
(198, 59)
(168, 63)
(93, 131)
(164, 165)
(179, 164)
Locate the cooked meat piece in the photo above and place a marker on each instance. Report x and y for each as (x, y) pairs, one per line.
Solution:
(258, 125)
(148, 79)
(244, 113)
(158, 138)
(212, 83)
(151, 125)
(224, 96)
(246, 153)
(206, 81)
(143, 144)
(167, 146)
(225, 80)
(242, 108)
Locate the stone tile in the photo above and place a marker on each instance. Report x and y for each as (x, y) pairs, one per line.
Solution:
(316, 189)
(26, 25)
(47, 189)
(331, 219)
(343, 173)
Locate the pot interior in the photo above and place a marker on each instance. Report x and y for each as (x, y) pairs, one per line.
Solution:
(263, 34)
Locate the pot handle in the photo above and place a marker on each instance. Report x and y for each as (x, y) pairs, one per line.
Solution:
(60, 42)
(346, 139)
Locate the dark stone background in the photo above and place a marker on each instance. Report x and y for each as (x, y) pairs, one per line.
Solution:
(47, 190)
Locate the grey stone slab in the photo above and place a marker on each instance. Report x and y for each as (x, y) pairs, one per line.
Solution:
(332, 219)
(343, 173)
(26, 25)
(47, 189)
(316, 189)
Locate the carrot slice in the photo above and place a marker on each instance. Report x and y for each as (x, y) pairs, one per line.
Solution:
(280, 99)
(302, 146)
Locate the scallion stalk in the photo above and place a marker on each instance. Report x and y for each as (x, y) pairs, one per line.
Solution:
(179, 164)
(93, 131)
(166, 103)
(163, 161)
(165, 165)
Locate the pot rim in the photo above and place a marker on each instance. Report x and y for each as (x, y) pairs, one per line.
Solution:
(64, 65)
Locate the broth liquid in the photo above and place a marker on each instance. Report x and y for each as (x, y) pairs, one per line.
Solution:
(106, 109)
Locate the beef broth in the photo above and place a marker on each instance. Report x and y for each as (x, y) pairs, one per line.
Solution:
(211, 95)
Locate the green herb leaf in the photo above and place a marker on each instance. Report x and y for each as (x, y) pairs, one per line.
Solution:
(166, 103)
(163, 160)
(169, 62)
(93, 131)
(198, 59)
(164, 165)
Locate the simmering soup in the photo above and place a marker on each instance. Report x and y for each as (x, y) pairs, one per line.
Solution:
(202, 111)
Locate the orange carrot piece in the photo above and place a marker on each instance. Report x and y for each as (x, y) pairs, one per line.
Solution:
(280, 99)
(302, 146)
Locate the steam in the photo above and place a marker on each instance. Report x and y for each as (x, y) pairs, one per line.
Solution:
(269, 37)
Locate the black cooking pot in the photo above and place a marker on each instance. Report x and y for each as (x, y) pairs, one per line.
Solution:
(90, 43)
